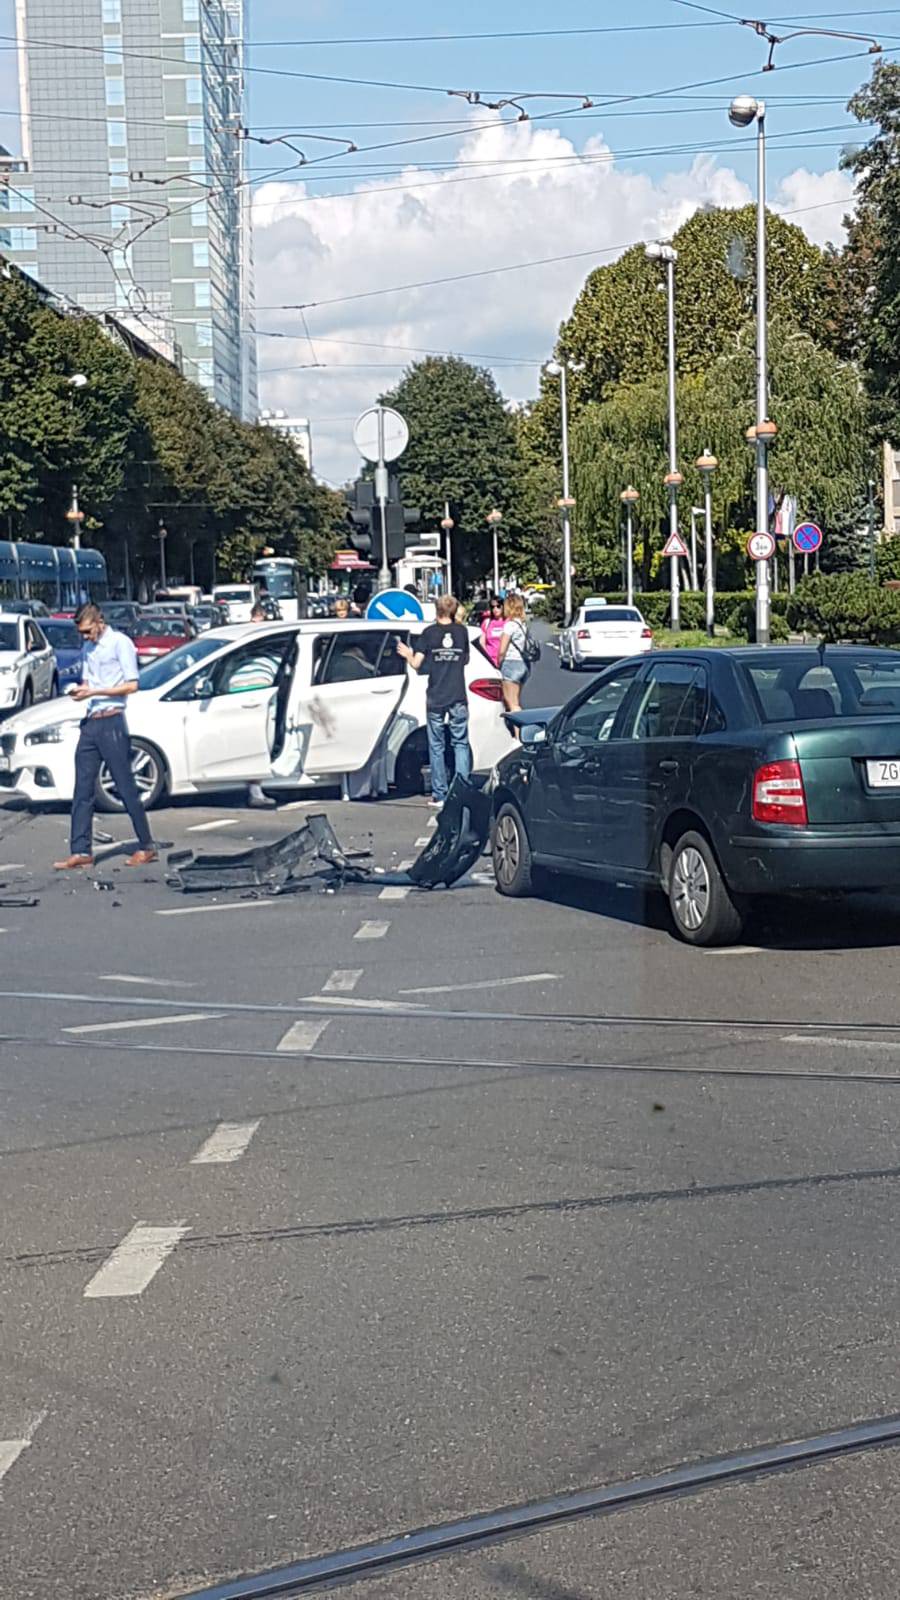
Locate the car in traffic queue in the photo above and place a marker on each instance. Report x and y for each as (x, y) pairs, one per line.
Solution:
(714, 776)
(26, 608)
(28, 671)
(156, 633)
(207, 615)
(237, 598)
(68, 649)
(601, 633)
(289, 705)
(123, 614)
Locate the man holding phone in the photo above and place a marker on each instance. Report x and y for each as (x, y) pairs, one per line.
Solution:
(109, 673)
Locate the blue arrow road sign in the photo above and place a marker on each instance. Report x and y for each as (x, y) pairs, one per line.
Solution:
(807, 537)
(394, 605)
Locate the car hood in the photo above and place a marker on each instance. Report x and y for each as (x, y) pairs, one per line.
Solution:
(10, 658)
(45, 715)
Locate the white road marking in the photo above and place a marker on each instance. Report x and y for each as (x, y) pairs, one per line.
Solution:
(135, 1262)
(152, 983)
(738, 950)
(423, 841)
(143, 1022)
(352, 1001)
(11, 1449)
(12, 866)
(227, 1142)
(432, 822)
(371, 930)
(397, 891)
(302, 1036)
(208, 827)
(298, 805)
(481, 877)
(342, 980)
(834, 1040)
(230, 905)
(484, 983)
(551, 645)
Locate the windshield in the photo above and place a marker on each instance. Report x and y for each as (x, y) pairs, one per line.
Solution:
(9, 636)
(188, 655)
(280, 585)
(62, 635)
(162, 628)
(239, 595)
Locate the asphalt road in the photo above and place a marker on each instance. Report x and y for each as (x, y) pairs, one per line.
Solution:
(332, 1217)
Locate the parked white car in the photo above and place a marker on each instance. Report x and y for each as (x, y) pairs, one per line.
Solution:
(283, 704)
(601, 633)
(27, 663)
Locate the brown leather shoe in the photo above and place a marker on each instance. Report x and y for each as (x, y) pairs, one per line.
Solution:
(142, 858)
(71, 862)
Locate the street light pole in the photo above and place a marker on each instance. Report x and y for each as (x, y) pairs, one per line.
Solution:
(494, 519)
(447, 525)
(74, 514)
(706, 466)
(744, 111)
(163, 533)
(629, 498)
(871, 509)
(673, 479)
(559, 369)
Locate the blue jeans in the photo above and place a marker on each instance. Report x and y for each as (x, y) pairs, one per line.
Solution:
(457, 719)
(104, 740)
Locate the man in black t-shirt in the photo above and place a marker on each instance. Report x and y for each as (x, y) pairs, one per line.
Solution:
(442, 651)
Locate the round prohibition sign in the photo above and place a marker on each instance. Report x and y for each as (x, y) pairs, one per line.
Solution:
(760, 546)
(807, 538)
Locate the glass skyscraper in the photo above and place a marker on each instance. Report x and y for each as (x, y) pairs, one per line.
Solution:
(135, 198)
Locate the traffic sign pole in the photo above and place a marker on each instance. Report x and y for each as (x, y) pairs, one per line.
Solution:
(384, 576)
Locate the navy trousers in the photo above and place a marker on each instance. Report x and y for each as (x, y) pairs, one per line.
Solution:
(104, 739)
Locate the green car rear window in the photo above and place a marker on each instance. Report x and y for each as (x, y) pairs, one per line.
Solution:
(805, 690)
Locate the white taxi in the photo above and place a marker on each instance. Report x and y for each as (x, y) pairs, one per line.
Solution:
(601, 633)
(283, 704)
(27, 662)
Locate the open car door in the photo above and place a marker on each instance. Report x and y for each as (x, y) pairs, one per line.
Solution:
(346, 688)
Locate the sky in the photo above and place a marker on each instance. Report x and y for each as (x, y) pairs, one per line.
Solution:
(439, 187)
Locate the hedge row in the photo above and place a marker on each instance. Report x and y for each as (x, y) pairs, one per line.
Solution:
(846, 606)
(654, 605)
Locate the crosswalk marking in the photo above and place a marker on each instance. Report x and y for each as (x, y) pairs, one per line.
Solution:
(423, 841)
(227, 1142)
(143, 1022)
(342, 980)
(135, 1261)
(397, 891)
(371, 930)
(227, 905)
(302, 1036)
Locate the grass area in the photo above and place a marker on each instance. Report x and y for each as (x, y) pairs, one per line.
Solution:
(691, 638)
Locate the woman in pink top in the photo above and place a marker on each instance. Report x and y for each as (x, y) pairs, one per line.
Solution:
(492, 630)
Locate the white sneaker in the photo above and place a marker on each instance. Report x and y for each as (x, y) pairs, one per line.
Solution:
(436, 805)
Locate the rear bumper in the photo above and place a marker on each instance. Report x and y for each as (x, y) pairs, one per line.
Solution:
(812, 862)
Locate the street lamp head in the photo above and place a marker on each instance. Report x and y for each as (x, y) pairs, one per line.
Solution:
(707, 462)
(673, 480)
(743, 110)
(77, 380)
(657, 250)
(552, 369)
(629, 496)
(447, 523)
(493, 517)
(766, 431)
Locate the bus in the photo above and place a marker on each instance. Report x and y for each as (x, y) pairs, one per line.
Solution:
(280, 577)
(63, 578)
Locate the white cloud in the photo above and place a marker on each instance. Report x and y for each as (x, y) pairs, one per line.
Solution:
(422, 225)
(823, 222)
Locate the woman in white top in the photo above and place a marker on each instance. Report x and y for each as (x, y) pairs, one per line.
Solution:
(514, 669)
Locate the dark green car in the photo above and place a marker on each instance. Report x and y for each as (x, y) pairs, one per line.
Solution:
(713, 775)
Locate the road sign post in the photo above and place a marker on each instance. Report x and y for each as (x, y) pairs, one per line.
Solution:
(381, 435)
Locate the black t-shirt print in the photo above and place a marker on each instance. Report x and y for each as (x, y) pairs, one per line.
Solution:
(445, 646)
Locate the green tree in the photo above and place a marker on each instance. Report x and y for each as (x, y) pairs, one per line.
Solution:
(461, 450)
(871, 261)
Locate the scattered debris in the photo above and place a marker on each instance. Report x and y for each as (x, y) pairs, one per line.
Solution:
(459, 838)
(18, 902)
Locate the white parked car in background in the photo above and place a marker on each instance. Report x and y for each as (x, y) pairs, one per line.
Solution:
(237, 598)
(602, 633)
(282, 704)
(27, 663)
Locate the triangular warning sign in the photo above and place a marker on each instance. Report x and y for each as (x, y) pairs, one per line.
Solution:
(675, 546)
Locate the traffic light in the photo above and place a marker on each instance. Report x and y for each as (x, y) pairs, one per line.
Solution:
(364, 516)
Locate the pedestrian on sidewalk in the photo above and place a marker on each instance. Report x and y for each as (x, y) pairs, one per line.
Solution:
(442, 651)
(109, 674)
(492, 628)
(511, 658)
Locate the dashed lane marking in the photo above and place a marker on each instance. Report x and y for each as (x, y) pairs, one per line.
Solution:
(151, 983)
(484, 983)
(738, 950)
(371, 930)
(423, 841)
(351, 1001)
(144, 1022)
(210, 827)
(230, 905)
(302, 1036)
(834, 1041)
(227, 1142)
(342, 980)
(135, 1262)
(11, 1449)
(397, 891)
(12, 866)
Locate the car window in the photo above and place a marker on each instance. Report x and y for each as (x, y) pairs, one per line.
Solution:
(254, 665)
(804, 691)
(169, 666)
(671, 703)
(592, 721)
(33, 639)
(355, 657)
(9, 636)
(612, 614)
(63, 635)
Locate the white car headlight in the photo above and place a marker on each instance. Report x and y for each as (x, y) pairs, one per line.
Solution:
(13, 668)
(52, 735)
